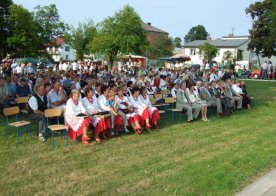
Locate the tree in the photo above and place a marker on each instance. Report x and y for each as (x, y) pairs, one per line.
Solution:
(122, 33)
(5, 29)
(23, 40)
(262, 34)
(177, 42)
(163, 46)
(81, 36)
(208, 52)
(49, 22)
(228, 57)
(196, 33)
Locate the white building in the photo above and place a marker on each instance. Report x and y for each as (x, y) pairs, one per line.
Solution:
(238, 48)
(237, 45)
(60, 51)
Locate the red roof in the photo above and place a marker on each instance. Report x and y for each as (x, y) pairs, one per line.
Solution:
(57, 41)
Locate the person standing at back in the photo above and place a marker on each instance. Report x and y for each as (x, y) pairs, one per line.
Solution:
(264, 70)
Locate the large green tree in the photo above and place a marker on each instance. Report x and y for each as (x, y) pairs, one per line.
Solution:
(79, 37)
(208, 52)
(162, 46)
(122, 33)
(23, 40)
(5, 29)
(177, 42)
(196, 33)
(263, 32)
(49, 22)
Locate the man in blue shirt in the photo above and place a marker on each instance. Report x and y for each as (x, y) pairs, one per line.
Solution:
(23, 90)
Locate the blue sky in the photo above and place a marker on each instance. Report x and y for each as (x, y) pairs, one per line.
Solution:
(174, 16)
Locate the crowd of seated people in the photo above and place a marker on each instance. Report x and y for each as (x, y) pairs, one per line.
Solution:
(119, 100)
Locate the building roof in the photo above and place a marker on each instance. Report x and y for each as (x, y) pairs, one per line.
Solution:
(231, 43)
(57, 41)
(148, 27)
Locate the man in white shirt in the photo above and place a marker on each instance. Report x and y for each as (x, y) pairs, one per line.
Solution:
(57, 97)
(264, 70)
(38, 104)
(221, 73)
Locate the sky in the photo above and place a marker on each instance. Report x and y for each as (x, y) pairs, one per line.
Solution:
(176, 17)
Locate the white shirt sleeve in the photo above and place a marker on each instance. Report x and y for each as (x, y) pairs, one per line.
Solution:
(101, 102)
(33, 103)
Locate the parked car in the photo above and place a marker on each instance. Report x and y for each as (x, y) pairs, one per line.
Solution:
(256, 74)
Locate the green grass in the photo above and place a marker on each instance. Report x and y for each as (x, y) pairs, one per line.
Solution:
(219, 157)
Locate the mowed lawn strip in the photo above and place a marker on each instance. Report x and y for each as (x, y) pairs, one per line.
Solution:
(219, 157)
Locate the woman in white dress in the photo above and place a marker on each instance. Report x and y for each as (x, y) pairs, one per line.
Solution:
(77, 125)
(195, 99)
(126, 111)
(140, 108)
(90, 103)
(154, 113)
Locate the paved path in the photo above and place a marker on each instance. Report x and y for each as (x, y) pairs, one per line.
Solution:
(264, 186)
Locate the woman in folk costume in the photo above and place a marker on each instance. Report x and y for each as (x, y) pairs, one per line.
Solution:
(107, 104)
(140, 108)
(154, 113)
(92, 108)
(126, 111)
(77, 125)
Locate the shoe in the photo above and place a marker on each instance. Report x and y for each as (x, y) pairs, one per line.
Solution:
(190, 121)
(112, 132)
(98, 140)
(86, 143)
(41, 138)
(85, 138)
(138, 131)
(126, 130)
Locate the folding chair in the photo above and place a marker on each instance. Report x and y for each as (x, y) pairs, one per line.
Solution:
(158, 96)
(23, 100)
(171, 100)
(14, 111)
(153, 103)
(51, 113)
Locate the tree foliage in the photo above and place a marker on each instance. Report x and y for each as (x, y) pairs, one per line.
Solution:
(50, 24)
(228, 57)
(262, 34)
(121, 33)
(81, 36)
(163, 46)
(208, 52)
(196, 33)
(5, 29)
(177, 42)
(23, 40)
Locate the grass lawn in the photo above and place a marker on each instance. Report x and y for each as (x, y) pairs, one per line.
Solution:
(219, 157)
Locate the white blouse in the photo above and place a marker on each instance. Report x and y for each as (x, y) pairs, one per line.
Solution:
(91, 106)
(74, 109)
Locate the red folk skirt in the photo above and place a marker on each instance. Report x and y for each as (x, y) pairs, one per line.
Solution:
(155, 117)
(74, 134)
(145, 115)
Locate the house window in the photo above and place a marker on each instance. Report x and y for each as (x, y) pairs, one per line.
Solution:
(67, 48)
(56, 49)
(66, 57)
(239, 55)
(50, 48)
(192, 51)
(218, 54)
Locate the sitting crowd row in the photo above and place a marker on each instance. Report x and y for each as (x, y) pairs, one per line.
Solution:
(118, 101)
